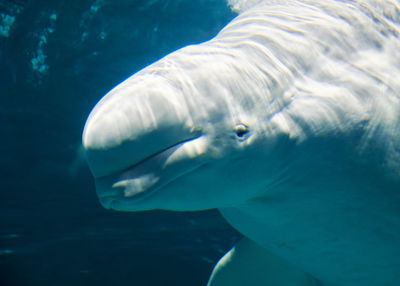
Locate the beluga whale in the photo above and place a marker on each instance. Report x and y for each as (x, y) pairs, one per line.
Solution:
(288, 122)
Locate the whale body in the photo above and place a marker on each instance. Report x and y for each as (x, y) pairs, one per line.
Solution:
(288, 122)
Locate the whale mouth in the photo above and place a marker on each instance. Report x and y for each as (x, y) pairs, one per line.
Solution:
(141, 179)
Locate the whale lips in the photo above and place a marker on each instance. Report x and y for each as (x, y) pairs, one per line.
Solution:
(134, 187)
(139, 180)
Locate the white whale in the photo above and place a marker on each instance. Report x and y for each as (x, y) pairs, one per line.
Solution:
(288, 122)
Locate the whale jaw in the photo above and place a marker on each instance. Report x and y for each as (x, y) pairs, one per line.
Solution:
(143, 179)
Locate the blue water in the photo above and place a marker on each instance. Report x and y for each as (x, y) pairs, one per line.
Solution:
(57, 59)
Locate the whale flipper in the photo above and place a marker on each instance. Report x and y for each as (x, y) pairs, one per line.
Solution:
(250, 264)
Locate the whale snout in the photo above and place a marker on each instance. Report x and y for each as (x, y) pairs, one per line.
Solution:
(133, 122)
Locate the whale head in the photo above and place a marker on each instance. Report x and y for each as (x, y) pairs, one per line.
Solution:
(176, 136)
(219, 123)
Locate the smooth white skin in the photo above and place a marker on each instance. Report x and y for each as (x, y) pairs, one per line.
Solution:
(315, 179)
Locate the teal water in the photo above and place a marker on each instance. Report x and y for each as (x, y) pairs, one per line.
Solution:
(57, 59)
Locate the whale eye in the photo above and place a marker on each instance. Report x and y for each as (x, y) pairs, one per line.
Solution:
(241, 131)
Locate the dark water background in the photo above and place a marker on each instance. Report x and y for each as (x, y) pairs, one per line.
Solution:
(57, 58)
